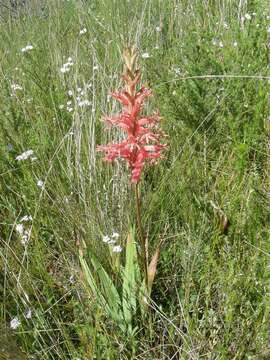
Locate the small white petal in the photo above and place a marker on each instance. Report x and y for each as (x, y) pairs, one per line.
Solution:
(14, 323)
(117, 249)
(20, 228)
(25, 155)
(28, 314)
(26, 218)
(111, 242)
(40, 183)
(145, 55)
(106, 239)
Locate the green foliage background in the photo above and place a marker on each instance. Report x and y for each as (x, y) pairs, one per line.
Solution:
(211, 293)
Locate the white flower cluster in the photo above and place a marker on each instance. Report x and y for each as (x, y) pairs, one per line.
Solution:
(79, 97)
(25, 155)
(69, 107)
(247, 17)
(66, 67)
(145, 55)
(15, 322)
(40, 184)
(82, 103)
(83, 31)
(176, 70)
(112, 241)
(22, 231)
(15, 87)
(27, 48)
(219, 43)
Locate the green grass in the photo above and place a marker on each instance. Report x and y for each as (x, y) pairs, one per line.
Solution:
(210, 298)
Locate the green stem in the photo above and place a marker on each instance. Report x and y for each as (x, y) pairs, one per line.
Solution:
(141, 234)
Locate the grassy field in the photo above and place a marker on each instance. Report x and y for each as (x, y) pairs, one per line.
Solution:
(207, 63)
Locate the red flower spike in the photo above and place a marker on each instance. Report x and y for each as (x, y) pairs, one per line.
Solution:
(143, 136)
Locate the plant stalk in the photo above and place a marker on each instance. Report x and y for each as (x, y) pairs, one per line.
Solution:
(141, 234)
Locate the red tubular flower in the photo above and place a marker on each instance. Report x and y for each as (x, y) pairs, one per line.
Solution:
(142, 142)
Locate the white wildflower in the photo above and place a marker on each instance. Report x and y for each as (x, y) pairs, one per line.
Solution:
(28, 314)
(235, 43)
(20, 228)
(111, 242)
(66, 67)
(84, 103)
(61, 107)
(15, 87)
(25, 237)
(106, 239)
(40, 184)
(71, 279)
(25, 155)
(83, 31)
(117, 249)
(158, 29)
(69, 109)
(177, 71)
(115, 235)
(145, 55)
(14, 323)
(27, 48)
(70, 92)
(95, 67)
(248, 17)
(221, 44)
(26, 218)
